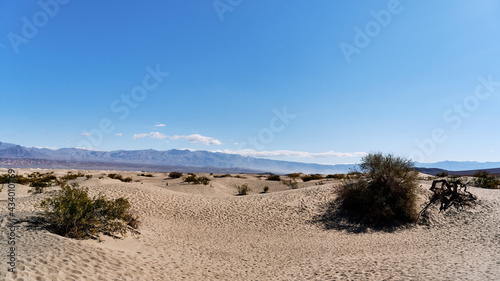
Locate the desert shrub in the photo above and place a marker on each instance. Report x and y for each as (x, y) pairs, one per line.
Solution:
(197, 180)
(386, 196)
(190, 179)
(243, 189)
(203, 180)
(127, 179)
(70, 176)
(146, 175)
(239, 177)
(273, 178)
(312, 177)
(336, 176)
(266, 189)
(222, 176)
(354, 175)
(442, 174)
(290, 183)
(38, 186)
(294, 175)
(115, 176)
(4, 179)
(88, 177)
(72, 213)
(482, 174)
(485, 180)
(175, 175)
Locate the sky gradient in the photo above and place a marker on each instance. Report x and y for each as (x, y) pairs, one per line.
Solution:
(319, 82)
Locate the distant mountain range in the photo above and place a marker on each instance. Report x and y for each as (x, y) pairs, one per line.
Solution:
(152, 160)
(12, 155)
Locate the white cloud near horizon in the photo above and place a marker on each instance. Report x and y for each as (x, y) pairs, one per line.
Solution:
(86, 134)
(153, 135)
(47, 147)
(158, 124)
(195, 138)
(119, 134)
(289, 153)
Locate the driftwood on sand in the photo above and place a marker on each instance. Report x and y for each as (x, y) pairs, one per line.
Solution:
(450, 194)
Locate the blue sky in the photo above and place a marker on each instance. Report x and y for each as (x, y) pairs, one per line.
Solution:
(321, 82)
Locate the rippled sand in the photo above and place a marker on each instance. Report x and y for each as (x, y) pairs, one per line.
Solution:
(208, 233)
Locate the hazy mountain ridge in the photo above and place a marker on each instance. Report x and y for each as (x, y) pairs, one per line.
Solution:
(174, 157)
(197, 160)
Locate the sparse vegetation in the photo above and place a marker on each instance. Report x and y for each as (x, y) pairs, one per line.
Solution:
(290, 183)
(197, 180)
(266, 189)
(175, 175)
(307, 178)
(222, 176)
(486, 180)
(70, 176)
(243, 189)
(273, 178)
(119, 177)
(127, 179)
(294, 176)
(146, 175)
(354, 175)
(336, 176)
(115, 176)
(442, 174)
(387, 196)
(72, 213)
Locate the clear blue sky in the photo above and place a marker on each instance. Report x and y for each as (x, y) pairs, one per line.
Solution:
(351, 77)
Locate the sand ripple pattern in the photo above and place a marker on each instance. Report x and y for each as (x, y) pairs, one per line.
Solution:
(189, 236)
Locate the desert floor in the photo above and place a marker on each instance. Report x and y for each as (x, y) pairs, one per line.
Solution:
(196, 232)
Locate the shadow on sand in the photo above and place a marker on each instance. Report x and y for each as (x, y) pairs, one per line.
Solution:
(333, 217)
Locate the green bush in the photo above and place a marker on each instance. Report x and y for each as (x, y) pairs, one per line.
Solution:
(72, 213)
(273, 178)
(243, 189)
(175, 175)
(312, 177)
(387, 196)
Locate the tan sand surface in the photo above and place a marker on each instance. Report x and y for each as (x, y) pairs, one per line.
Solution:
(196, 232)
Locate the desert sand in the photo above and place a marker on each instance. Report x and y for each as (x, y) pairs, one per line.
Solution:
(196, 232)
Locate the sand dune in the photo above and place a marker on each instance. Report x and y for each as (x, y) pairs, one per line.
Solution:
(207, 233)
